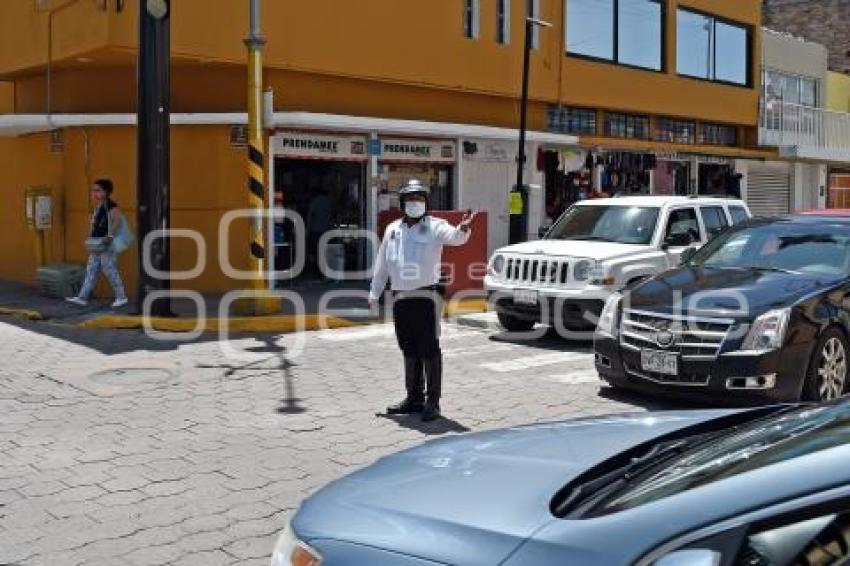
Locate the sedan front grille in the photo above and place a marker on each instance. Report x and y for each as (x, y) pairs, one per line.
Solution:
(692, 337)
(537, 271)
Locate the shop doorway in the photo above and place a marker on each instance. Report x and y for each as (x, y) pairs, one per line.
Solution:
(328, 195)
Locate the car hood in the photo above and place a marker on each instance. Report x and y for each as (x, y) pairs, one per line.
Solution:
(474, 498)
(575, 248)
(724, 292)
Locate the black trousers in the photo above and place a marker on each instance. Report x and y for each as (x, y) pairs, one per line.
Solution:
(416, 316)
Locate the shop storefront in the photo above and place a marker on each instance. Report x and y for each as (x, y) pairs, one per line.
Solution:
(322, 177)
(430, 161)
(839, 188)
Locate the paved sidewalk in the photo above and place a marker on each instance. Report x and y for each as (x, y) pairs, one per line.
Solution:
(307, 307)
(119, 449)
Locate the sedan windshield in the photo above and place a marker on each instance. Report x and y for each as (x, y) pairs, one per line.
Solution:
(620, 224)
(819, 249)
(749, 447)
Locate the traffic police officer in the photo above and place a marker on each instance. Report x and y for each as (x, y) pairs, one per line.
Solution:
(410, 257)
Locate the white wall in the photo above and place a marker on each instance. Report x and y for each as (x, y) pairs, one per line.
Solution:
(485, 179)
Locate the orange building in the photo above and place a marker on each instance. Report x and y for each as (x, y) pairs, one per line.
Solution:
(663, 92)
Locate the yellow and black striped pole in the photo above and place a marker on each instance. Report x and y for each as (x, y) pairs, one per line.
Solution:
(256, 167)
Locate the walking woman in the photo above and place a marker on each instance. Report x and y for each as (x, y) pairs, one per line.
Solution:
(106, 221)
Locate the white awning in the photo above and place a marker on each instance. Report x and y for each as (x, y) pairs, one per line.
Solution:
(12, 125)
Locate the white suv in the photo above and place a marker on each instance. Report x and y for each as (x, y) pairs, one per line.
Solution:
(595, 248)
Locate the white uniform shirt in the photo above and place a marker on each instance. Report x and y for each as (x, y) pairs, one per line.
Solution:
(410, 256)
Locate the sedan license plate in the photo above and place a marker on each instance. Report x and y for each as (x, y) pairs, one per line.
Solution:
(659, 362)
(525, 297)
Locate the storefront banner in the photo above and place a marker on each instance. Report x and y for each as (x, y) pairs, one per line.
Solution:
(319, 146)
(411, 150)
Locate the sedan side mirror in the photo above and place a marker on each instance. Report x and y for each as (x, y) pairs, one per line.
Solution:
(687, 255)
(677, 240)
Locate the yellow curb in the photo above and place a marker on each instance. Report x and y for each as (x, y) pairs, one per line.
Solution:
(465, 306)
(21, 313)
(276, 324)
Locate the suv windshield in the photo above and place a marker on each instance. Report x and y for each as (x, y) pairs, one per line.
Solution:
(620, 224)
(748, 447)
(820, 249)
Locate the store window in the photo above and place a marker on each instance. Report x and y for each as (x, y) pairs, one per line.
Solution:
(620, 125)
(675, 131)
(471, 11)
(571, 120)
(712, 49)
(629, 32)
(503, 21)
(716, 134)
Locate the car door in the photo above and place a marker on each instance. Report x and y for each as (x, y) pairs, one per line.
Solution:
(810, 530)
(682, 220)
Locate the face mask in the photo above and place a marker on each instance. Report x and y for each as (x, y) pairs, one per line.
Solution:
(415, 209)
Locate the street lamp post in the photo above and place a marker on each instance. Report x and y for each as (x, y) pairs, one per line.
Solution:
(530, 23)
(153, 146)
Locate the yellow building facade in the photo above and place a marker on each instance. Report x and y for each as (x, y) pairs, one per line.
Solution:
(441, 76)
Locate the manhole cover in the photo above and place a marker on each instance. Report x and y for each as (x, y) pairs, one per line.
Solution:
(131, 376)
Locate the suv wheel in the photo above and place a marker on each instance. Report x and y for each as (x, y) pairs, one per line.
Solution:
(514, 324)
(827, 376)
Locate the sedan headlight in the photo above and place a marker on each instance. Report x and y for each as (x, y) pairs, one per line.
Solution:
(289, 551)
(497, 265)
(608, 317)
(582, 269)
(767, 332)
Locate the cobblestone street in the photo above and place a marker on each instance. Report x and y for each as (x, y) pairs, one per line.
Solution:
(118, 449)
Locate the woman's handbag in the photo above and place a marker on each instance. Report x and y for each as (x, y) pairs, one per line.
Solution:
(97, 245)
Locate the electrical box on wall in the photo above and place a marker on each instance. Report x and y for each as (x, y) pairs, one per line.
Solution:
(38, 208)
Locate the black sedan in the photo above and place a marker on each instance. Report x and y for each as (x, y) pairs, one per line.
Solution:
(761, 313)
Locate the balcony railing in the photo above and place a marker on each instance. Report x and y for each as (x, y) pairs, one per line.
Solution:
(814, 132)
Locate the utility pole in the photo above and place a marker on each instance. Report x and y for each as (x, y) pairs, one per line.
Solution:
(153, 146)
(519, 228)
(256, 167)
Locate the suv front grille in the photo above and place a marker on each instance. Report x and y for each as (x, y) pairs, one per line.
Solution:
(693, 337)
(537, 271)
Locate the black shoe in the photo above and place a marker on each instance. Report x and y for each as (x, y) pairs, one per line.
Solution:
(414, 382)
(406, 407)
(431, 412)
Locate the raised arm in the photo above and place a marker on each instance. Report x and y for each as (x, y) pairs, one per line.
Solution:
(449, 235)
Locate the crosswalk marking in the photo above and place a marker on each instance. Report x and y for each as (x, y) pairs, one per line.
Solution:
(579, 379)
(448, 332)
(533, 361)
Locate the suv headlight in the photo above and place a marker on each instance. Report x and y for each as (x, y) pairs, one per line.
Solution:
(610, 314)
(582, 269)
(767, 332)
(289, 551)
(497, 265)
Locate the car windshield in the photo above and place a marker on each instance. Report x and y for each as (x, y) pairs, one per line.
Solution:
(748, 447)
(820, 249)
(620, 224)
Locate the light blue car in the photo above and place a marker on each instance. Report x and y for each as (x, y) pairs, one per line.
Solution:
(756, 487)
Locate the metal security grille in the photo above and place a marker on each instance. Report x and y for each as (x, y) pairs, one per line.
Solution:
(769, 191)
(540, 272)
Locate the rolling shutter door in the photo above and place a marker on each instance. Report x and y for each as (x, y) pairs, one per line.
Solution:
(769, 191)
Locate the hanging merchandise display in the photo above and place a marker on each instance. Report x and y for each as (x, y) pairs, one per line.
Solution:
(626, 173)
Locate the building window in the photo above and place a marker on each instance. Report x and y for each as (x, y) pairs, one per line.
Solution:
(675, 131)
(471, 13)
(711, 49)
(569, 120)
(503, 21)
(716, 134)
(620, 125)
(629, 32)
(533, 11)
(791, 89)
